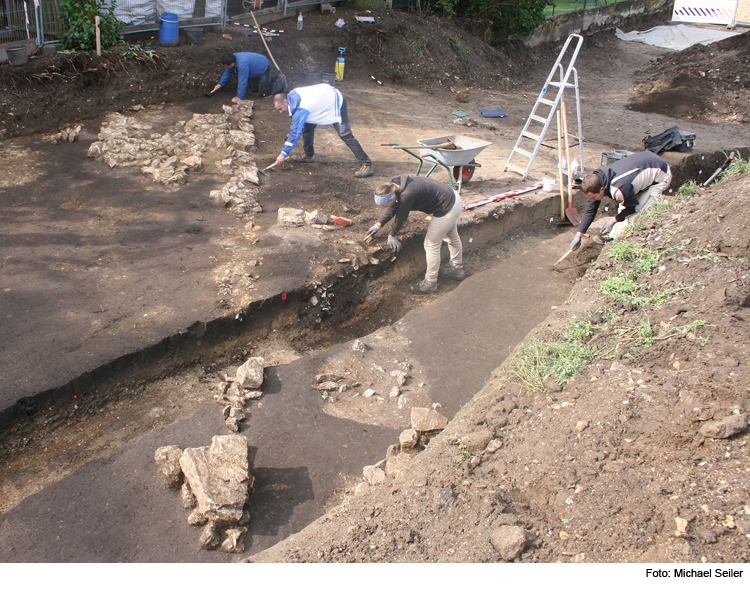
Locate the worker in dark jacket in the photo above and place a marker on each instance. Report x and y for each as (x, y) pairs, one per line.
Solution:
(253, 73)
(634, 182)
(415, 193)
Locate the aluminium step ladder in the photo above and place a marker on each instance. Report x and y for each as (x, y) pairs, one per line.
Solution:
(532, 137)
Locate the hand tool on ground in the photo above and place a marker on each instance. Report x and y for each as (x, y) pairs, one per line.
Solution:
(486, 200)
(262, 38)
(263, 171)
(212, 91)
(719, 170)
(563, 257)
(340, 221)
(571, 212)
(559, 168)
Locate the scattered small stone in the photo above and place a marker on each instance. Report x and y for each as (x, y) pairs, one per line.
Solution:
(359, 346)
(581, 426)
(725, 428)
(551, 383)
(369, 392)
(234, 542)
(210, 536)
(327, 386)
(509, 541)
(400, 377)
(168, 459)
(408, 439)
(395, 392)
(476, 442)
(493, 446)
(374, 475)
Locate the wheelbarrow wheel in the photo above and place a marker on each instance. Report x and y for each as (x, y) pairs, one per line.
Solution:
(465, 172)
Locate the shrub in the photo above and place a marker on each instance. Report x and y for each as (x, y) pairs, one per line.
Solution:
(77, 17)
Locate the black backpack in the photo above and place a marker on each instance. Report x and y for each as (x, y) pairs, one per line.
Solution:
(671, 139)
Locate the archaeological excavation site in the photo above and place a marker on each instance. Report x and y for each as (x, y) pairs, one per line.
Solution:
(219, 347)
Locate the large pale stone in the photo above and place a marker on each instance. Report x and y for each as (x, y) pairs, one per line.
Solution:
(426, 419)
(290, 217)
(242, 140)
(218, 477)
(250, 374)
(316, 217)
(373, 475)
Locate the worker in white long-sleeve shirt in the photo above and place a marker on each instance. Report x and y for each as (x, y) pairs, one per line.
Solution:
(310, 106)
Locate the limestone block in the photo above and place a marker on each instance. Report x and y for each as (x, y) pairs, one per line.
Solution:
(426, 419)
(95, 150)
(373, 475)
(726, 427)
(316, 217)
(242, 140)
(249, 174)
(290, 217)
(218, 476)
(250, 374)
(408, 439)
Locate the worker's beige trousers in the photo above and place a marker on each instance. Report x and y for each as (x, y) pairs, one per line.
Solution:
(645, 199)
(438, 229)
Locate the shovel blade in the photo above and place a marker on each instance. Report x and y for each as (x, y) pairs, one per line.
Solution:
(573, 216)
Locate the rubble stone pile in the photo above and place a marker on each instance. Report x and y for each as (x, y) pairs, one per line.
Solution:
(216, 484)
(221, 141)
(234, 393)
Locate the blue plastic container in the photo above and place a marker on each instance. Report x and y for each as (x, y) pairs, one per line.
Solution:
(169, 29)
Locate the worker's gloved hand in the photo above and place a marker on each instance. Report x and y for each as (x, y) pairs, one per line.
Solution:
(373, 230)
(608, 227)
(394, 244)
(575, 244)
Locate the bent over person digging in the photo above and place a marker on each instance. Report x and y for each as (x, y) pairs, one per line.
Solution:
(406, 193)
(310, 106)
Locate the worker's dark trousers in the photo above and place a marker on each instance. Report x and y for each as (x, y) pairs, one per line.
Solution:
(345, 133)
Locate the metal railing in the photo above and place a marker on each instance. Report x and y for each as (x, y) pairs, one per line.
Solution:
(20, 20)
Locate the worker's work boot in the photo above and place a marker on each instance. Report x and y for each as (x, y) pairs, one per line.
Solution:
(455, 272)
(303, 158)
(424, 287)
(365, 170)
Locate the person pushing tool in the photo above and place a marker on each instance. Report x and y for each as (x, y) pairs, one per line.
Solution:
(407, 193)
(253, 73)
(634, 182)
(310, 106)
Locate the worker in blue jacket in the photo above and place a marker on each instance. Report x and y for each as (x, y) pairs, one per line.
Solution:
(310, 106)
(252, 70)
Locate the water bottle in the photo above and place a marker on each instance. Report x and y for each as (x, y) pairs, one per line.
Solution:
(300, 21)
(574, 166)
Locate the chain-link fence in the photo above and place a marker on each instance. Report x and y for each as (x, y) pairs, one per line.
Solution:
(20, 20)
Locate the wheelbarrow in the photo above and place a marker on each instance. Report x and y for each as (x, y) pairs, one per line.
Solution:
(455, 153)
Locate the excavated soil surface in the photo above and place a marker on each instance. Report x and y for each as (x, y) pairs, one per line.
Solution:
(628, 479)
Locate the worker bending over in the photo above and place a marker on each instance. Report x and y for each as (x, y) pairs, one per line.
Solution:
(310, 106)
(253, 73)
(407, 193)
(634, 182)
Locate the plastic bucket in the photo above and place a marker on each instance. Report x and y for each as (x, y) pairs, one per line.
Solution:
(194, 35)
(169, 29)
(18, 55)
(328, 77)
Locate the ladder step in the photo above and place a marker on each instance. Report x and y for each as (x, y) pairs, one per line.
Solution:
(531, 136)
(523, 152)
(566, 85)
(538, 118)
(515, 169)
(546, 102)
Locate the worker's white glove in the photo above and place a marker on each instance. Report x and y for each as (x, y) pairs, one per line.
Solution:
(394, 244)
(373, 230)
(575, 244)
(608, 227)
